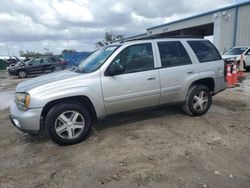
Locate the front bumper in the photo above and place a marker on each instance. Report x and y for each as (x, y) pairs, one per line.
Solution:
(26, 121)
(12, 72)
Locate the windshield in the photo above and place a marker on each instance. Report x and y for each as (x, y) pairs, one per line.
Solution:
(236, 51)
(27, 62)
(96, 59)
(19, 63)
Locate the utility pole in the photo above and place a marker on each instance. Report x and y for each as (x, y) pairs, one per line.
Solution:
(8, 51)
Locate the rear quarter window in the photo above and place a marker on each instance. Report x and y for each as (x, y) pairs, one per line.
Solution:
(205, 51)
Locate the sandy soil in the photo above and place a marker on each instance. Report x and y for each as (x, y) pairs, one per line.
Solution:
(153, 148)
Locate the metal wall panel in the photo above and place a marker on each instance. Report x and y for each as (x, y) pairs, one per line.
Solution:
(243, 29)
(181, 25)
(231, 25)
(226, 29)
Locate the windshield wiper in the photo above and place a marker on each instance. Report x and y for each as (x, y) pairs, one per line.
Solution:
(77, 69)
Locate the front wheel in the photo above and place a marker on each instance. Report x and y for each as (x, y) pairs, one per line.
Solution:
(68, 123)
(198, 100)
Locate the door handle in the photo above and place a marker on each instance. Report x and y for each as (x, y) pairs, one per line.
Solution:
(190, 72)
(151, 78)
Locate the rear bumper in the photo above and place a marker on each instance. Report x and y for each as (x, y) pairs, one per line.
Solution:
(26, 121)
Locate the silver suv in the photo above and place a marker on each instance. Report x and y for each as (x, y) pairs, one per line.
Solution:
(118, 78)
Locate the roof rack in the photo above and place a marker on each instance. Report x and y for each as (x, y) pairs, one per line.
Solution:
(161, 37)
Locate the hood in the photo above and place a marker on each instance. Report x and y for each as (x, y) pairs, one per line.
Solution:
(45, 79)
(230, 56)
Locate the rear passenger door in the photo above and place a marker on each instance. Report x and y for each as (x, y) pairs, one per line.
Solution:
(47, 65)
(247, 58)
(176, 71)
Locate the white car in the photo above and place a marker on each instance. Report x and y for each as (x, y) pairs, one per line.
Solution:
(236, 52)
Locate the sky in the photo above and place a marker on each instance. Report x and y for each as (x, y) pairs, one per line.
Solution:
(54, 25)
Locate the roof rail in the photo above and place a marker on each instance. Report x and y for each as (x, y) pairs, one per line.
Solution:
(161, 36)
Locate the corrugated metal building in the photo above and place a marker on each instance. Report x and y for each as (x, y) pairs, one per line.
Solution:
(230, 26)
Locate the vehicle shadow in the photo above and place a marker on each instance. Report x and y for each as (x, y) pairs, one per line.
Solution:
(137, 116)
(117, 120)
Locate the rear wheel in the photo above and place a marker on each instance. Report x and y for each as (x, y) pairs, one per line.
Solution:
(22, 74)
(68, 123)
(53, 69)
(198, 100)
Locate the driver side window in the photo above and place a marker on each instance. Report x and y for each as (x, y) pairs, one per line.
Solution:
(136, 58)
(36, 62)
(248, 52)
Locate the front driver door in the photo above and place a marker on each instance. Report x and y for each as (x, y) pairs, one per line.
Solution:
(138, 86)
(247, 58)
(47, 65)
(35, 66)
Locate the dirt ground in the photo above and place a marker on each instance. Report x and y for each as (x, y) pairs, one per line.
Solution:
(153, 148)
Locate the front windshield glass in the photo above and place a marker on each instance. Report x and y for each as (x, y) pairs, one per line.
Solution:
(236, 51)
(27, 62)
(19, 63)
(96, 59)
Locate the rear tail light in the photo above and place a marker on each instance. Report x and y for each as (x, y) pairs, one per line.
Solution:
(225, 70)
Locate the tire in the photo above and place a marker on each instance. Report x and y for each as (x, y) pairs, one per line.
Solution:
(192, 106)
(22, 74)
(68, 123)
(33, 134)
(53, 69)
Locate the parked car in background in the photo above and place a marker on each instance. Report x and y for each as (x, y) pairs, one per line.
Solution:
(36, 66)
(11, 61)
(235, 53)
(118, 78)
(58, 61)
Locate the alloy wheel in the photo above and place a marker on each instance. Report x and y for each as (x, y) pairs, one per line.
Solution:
(200, 100)
(69, 124)
(22, 74)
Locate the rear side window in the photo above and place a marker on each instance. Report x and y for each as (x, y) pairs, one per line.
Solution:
(173, 54)
(46, 61)
(53, 59)
(205, 51)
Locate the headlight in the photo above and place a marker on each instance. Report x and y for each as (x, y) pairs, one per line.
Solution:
(22, 101)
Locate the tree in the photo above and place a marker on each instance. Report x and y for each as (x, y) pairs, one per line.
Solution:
(29, 54)
(66, 51)
(109, 37)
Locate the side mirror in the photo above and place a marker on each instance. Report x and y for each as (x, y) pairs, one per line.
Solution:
(115, 69)
(30, 64)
